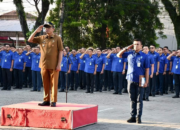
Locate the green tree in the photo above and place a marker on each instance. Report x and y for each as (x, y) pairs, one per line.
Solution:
(173, 9)
(86, 22)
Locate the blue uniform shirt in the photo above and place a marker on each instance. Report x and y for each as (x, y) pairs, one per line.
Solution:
(64, 66)
(6, 59)
(28, 60)
(137, 63)
(100, 61)
(163, 61)
(176, 65)
(75, 62)
(117, 63)
(90, 63)
(35, 61)
(168, 64)
(156, 59)
(151, 62)
(108, 63)
(19, 61)
(82, 63)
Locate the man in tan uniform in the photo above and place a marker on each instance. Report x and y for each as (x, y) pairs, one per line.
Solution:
(50, 62)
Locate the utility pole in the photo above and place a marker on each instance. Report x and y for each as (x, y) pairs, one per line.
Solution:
(61, 19)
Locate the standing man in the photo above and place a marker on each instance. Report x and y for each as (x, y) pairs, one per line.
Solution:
(151, 71)
(7, 67)
(90, 69)
(100, 71)
(176, 71)
(137, 76)
(152, 81)
(50, 62)
(167, 75)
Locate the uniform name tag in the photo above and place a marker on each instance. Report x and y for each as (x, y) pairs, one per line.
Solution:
(5, 60)
(19, 60)
(119, 61)
(29, 57)
(176, 66)
(106, 63)
(84, 61)
(90, 63)
(97, 65)
(37, 61)
(138, 64)
(61, 65)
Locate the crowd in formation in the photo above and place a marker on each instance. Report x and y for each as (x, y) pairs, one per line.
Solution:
(91, 70)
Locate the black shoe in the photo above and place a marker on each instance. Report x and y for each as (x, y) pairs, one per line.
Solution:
(39, 90)
(147, 99)
(25, 86)
(15, 88)
(144, 99)
(33, 90)
(132, 120)
(100, 90)
(125, 91)
(87, 91)
(45, 103)
(161, 94)
(150, 94)
(71, 88)
(166, 92)
(120, 93)
(62, 90)
(105, 89)
(53, 104)
(138, 120)
(172, 91)
(153, 95)
(96, 90)
(115, 93)
(157, 93)
(175, 96)
(4, 89)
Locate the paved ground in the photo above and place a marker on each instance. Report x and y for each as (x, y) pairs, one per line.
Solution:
(160, 113)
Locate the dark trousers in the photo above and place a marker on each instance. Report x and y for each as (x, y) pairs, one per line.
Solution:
(1, 77)
(117, 78)
(63, 80)
(125, 81)
(171, 82)
(28, 76)
(107, 79)
(136, 96)
(166, 81)
(7, 78)
(160, 83)
(177, 83)
(82, 79)
(98, 81)
(36, 80)
(90, 82)
(74, 80)
(19, 78)
(146, 92)
(152, 84)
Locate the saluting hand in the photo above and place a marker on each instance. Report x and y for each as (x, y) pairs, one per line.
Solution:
(39, 28)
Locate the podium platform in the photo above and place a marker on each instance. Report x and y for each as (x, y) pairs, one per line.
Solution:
(63, 116)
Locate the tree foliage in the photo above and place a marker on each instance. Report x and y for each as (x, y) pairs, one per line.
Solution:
(108, 23)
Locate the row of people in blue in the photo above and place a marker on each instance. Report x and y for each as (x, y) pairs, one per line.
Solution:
(88, 69)
(15, 67)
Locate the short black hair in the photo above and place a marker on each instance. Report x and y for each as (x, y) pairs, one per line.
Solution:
(161, 48)
(138, 40)
(153, 45)
(166, 47)
(98, 49)
(90, 49)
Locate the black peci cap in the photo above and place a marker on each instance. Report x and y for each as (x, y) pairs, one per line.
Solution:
(49, 24)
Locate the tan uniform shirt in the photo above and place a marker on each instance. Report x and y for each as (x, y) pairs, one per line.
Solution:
(50, 47)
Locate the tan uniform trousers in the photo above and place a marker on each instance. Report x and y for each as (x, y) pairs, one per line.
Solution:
(50, 83)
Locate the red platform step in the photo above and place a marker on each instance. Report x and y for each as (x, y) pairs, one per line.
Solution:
(63, 116)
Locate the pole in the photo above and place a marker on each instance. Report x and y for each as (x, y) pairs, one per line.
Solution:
(42, 17)
(61, 19)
